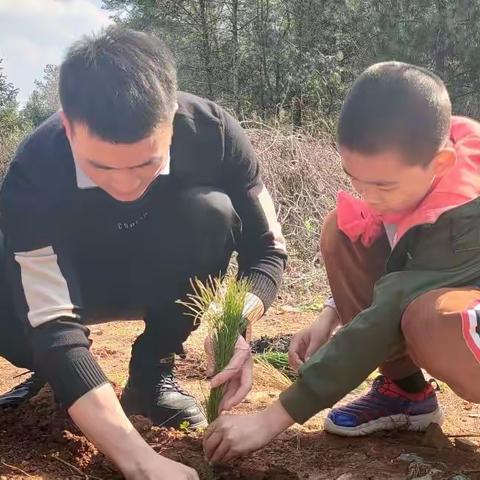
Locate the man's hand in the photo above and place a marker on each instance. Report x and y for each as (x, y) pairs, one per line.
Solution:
(231, 436)
(161, 468)
(100, 417)
(307, 341)
(236, 376)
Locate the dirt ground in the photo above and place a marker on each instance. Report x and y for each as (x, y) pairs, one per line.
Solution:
(37, 441)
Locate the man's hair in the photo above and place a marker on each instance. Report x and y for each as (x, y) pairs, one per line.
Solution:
(395, 105)
(120, 83)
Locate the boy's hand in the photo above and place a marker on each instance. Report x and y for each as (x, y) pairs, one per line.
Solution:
(307, 341)
(232, 436)
(237, 375)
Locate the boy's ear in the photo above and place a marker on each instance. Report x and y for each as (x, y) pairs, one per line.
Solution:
(444, 160)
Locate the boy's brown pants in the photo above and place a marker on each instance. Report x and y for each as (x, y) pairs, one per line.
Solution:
(440, 327)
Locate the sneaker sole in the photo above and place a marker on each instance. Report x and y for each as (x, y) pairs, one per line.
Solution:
(415, 423)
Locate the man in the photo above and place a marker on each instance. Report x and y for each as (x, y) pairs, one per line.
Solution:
(109, 209)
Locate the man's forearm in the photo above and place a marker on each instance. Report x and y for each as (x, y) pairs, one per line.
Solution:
(252, 311)
(100, 417)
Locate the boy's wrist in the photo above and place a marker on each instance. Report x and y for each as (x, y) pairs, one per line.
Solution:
(329, 315)
(276, 419)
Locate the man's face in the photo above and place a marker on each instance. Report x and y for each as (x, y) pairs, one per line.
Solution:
(387, 182)
(123, 170)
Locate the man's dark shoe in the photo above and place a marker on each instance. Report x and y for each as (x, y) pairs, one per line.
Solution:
(22, 392)
(158, 396)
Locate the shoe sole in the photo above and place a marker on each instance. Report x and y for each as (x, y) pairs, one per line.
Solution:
(414, 423)
(192, 422)
(195, 422)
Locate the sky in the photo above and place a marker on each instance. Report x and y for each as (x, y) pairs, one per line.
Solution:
(34, 33)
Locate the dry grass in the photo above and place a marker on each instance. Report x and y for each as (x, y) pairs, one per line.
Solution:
(303, 174)
(268, 375)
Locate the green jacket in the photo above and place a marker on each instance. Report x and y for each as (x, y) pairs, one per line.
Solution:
(429, 256)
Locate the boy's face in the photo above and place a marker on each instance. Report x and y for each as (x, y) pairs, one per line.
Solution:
(388, 183)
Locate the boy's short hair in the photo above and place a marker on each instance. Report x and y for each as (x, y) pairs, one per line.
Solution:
(121, 83)
(394, 105)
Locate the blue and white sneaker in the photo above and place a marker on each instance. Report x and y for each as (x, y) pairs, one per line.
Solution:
(385, 407)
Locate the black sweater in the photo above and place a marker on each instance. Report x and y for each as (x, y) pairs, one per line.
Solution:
(43, 219)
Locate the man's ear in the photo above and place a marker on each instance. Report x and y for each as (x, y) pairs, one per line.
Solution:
(67, 125)
(444, 160)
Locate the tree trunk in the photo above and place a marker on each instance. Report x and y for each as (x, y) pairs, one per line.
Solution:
(235, 57)
(441, 45)
(206, 46)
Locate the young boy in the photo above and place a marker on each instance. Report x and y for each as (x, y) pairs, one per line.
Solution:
(403, 265)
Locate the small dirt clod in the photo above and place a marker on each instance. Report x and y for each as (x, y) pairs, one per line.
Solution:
(279, 343)
(346, 476)
(435, 438)
(466, 445)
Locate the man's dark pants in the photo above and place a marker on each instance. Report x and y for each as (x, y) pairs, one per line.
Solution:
(191, 236)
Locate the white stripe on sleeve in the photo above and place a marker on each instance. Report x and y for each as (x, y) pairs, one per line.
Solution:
(268, 208)
(45, 287)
